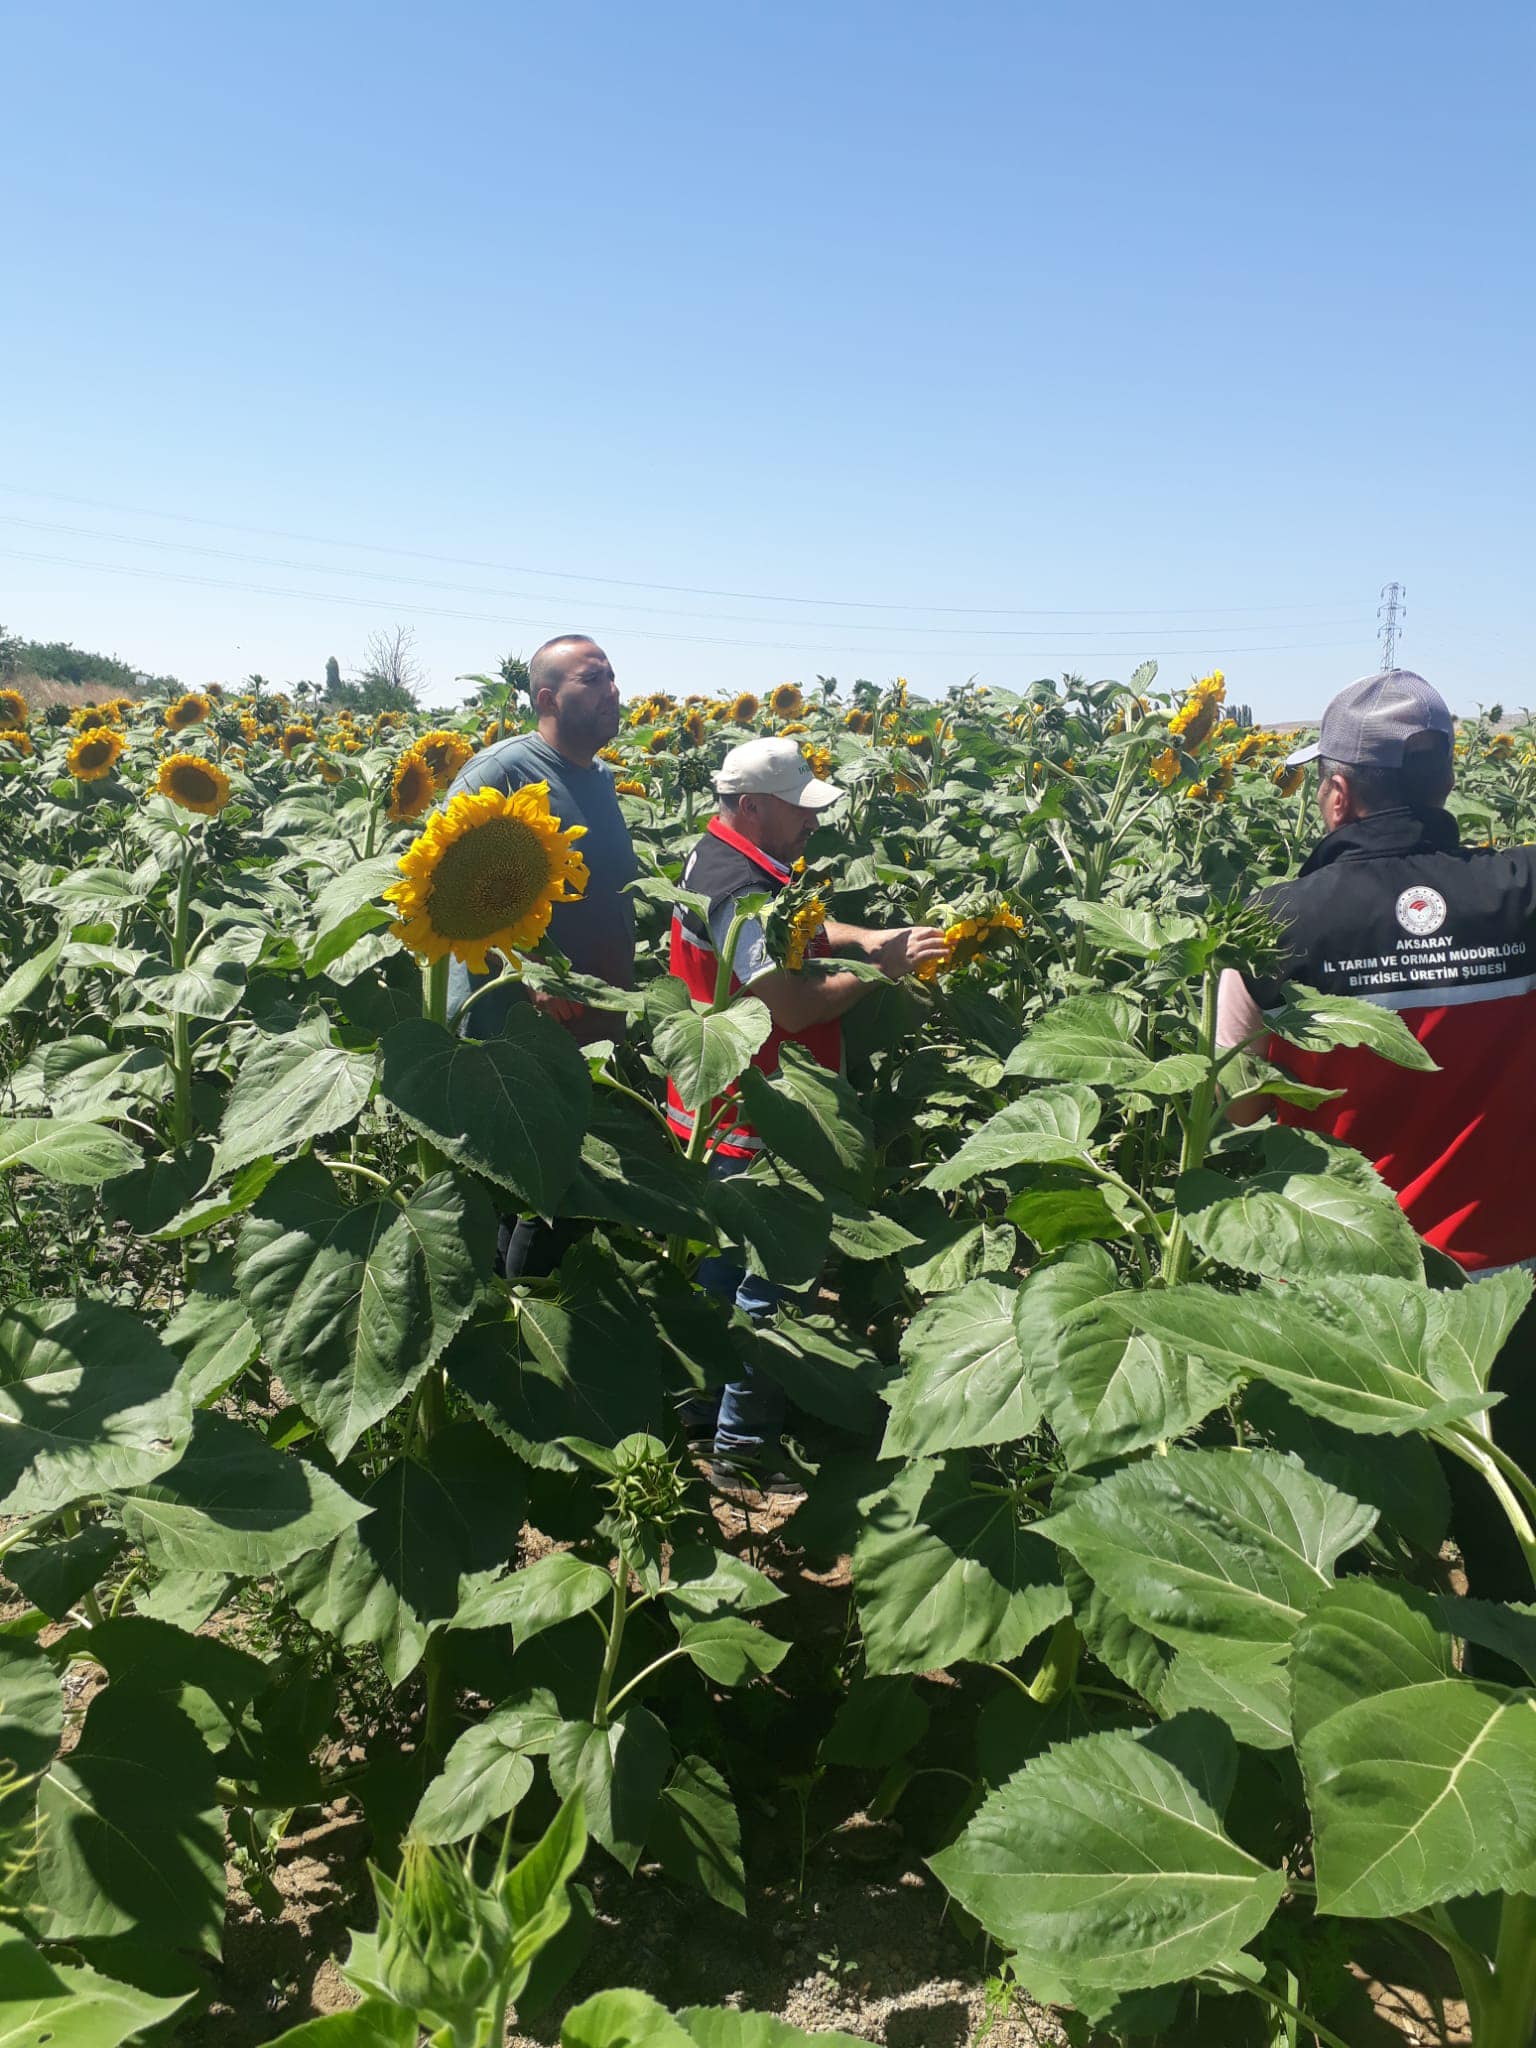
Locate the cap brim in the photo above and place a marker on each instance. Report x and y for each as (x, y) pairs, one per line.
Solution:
(816, 795)
(1305, 754)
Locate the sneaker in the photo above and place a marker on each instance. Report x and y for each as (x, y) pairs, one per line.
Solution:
(735, 1483)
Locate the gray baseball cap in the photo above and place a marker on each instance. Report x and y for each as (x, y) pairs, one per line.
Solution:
(1370, 724)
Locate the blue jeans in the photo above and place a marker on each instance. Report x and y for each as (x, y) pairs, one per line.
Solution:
(751, 1412)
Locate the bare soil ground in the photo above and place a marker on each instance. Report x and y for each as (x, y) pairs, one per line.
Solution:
(867, 1948)
(867, 1951)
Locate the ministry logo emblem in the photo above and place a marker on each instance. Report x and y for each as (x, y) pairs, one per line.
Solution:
(1421, 911)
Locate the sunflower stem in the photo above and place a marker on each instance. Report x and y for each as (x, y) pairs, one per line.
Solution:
(436, 1000)
(435, 1008)
(181, 1027)
(510, 971)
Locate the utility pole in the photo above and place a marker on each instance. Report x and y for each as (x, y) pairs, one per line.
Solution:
(1389, 611)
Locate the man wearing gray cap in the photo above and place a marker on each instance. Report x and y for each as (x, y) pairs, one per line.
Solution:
(1391, 908)
(770, 803)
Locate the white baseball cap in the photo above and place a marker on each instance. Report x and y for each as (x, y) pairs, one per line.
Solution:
(774, 768)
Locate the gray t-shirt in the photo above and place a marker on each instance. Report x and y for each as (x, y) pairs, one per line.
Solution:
(596, 933)
(751, 957)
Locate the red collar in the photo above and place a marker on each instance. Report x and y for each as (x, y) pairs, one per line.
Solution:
(720, 830)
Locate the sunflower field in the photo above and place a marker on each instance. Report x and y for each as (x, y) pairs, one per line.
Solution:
(1117, 1588)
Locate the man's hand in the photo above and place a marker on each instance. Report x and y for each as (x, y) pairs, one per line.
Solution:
(902, 952)
(561, 1009)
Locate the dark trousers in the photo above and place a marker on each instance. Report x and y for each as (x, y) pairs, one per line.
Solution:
(528, 1248)
(1495, 1566)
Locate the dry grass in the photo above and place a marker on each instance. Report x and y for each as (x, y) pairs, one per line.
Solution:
(42, 691)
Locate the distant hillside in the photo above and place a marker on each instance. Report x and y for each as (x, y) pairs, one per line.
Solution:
(55, 672)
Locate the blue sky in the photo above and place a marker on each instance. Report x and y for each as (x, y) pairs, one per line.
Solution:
(993, 340)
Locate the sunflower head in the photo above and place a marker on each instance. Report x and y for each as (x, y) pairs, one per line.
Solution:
(692, 727)
(659, 741)
(858, 721)
(744, 709)
(328, 771)
(1199, 715)
(444, 753)
(786, 700)
(1165, 769)
(13, 709)
(412, 787)
(970, 938)
(485, 875)
(191, 709)
(92, 717)
(806, 922)
(15, 742)
(192, 782)
(94, 754)
(292, 737)
(627, 787)
(819, 760)
(1289, 780)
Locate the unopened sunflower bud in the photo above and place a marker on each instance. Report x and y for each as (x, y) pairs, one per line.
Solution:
(445, 1943)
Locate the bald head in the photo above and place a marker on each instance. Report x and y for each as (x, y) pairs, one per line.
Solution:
(575, 697)
(547, 670)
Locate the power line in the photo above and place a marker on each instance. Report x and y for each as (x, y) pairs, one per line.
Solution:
(394, 578)
(818, 648)
(676, 589)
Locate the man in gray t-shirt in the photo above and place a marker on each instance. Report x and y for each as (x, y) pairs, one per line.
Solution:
(577, 701)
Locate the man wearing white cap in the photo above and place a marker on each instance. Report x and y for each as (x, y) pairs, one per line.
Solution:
(770, 804)
(1391, 908)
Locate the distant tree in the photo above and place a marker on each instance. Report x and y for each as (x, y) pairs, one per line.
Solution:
(332, 677)
(390, 673)
(56, 661)
(10, 654)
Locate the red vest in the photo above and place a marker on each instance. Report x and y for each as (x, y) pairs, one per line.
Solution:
(722, 867)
